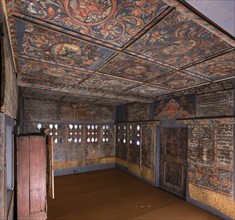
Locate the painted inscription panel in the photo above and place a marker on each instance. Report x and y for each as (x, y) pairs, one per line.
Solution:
(215, 104)
(224, 146)
(210, 155)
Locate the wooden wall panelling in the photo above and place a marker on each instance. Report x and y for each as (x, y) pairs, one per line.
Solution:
(75, 142)
(134, 148)
(121, 141)
(92, 136)
(133, 143)
(148, 151)
(107, 148)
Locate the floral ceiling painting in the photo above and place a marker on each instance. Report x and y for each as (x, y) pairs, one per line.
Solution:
(120, 51)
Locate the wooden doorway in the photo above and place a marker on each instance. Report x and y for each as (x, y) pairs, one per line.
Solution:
(173, 160)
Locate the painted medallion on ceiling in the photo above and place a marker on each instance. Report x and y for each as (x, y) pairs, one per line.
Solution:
(178, 41)
(44, 45)
(111, 21)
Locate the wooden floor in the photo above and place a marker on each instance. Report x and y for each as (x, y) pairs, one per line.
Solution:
(112, 194)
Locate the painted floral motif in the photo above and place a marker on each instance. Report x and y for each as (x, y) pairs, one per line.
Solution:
(180, 107)
(56, 48)
(111, 21)
(133, 68)
(216, 179)
(178, 41)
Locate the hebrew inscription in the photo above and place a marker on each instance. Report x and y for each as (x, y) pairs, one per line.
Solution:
(215, 104)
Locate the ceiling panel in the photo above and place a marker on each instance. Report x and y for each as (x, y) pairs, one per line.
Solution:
(110, 102)
(133, 68)
(217, 68)
(178, 41)
(41, 94)
(108, 83)
(110, 21)
(42, 44)
(109, 51)
(148, 91)
(178, 80)
(33, 70)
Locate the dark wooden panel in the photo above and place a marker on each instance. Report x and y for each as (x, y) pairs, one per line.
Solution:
(173, 159)
(50, 168)
(137, 112)
(2, 167)
(23, 159)
(37, 181)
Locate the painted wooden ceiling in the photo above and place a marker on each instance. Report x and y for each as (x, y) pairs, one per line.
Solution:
(115, 52)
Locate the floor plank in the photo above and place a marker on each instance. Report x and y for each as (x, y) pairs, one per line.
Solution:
(114, 195)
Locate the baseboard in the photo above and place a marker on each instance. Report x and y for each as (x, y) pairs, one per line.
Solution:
(75, 170)
(207, 208)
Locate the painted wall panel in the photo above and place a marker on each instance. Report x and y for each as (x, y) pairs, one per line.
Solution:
(219, 103)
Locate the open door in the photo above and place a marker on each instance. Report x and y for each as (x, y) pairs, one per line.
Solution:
(173, 156)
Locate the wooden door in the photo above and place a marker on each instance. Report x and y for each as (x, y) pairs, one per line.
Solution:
(173, 156)
(31, 177)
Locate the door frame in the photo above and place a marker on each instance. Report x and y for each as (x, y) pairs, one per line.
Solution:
(169, 124)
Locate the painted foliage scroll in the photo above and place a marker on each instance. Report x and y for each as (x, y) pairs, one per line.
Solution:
(210, 154)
